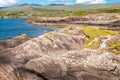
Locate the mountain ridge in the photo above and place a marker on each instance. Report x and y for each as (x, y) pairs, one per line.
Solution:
(58, 7)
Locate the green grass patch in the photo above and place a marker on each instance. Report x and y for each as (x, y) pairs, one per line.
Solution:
(114, 46)
(40, 12)
(66, 32)
(95, 45)
(95, 32)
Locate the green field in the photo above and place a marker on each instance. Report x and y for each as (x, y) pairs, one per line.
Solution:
(33, 11)
(58, 8)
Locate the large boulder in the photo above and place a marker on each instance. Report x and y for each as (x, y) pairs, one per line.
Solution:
(84, 64)
(6, 72)
(59, 55)
(11, 43)
(52, 43)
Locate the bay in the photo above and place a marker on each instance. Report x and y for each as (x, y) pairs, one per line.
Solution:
(10, 28)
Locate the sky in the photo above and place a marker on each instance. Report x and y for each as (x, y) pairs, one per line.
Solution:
(46, 2)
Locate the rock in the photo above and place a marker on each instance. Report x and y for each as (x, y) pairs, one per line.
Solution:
(109, 43)
(103, 20)
(52, 43)
(23, 74)
(59, 55)
(85, 64)
(1, 47)
(11, 43)
(30, 76)
(88, 76)
(6, 72)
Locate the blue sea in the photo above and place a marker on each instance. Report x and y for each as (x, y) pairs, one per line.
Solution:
(10, 28)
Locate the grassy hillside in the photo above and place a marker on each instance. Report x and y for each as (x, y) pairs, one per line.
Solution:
(35, 11)
(54, 8)
(25, 14)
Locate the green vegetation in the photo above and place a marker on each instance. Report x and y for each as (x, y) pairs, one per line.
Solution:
(95, 45)
(59, 8)
(56, 14)
(35, 11)
(114, 46)
(95, 32)
(66, 32)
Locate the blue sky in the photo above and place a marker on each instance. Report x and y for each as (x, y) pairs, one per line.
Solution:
(65, 1)
(45, 2)
(111, 1)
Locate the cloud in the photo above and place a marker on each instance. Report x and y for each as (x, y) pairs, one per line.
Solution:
(90, 1)
(6, 2)
(57, 1)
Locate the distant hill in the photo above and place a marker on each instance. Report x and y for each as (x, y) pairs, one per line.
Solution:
(57, 7)
(1, 7)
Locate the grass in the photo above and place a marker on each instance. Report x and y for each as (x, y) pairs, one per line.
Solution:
(78, 13)
(48, 14)
(114, 46)
(95, 45)
(66, 32)
(95, 32)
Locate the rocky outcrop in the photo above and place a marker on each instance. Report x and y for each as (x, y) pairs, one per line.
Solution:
(104, 21)
(84, 64)
(110, 43)
(58, 55)
(53, 43)
(11, 43)
(104, 18)
(6, 70)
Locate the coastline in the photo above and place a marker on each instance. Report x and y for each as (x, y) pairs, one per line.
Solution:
(15, 27)
(59, 25)
(56, 54)
(111, 22)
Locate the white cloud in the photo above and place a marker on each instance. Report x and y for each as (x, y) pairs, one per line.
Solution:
(5, 2)
(59, 1)
(90, 1)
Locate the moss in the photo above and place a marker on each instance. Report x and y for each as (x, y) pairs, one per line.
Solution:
(95, 32)
(66, 32)
(113, 46)
(95, 45)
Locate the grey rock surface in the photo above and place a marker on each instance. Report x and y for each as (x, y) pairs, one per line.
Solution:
(84, 64)
(53, 43)
(11, 43)
(58, 55)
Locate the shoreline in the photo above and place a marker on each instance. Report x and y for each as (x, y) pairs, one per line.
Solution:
(59, 25)
(20, 26)
(97, 20)
(64, 51)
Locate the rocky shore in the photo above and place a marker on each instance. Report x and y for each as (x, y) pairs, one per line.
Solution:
(11, 43)
(105, 20)
(58, 55)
